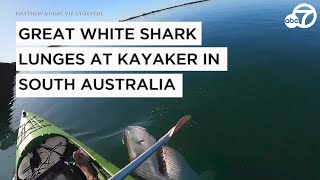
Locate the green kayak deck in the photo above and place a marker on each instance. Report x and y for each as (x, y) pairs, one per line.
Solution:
(34, 130)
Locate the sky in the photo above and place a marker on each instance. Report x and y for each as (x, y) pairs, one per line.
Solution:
(112, 11)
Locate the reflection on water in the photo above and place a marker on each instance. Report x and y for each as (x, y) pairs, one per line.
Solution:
(7, 133)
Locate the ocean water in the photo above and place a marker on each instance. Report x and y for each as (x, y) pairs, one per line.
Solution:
(259, 120)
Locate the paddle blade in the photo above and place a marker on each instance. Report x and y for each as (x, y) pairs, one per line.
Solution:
(180, 123)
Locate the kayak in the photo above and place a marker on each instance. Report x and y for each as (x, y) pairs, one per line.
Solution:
(44, 150)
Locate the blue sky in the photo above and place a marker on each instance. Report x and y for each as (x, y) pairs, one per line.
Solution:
(112, 11)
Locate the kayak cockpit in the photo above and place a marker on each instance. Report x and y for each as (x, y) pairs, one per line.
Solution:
(50, 160)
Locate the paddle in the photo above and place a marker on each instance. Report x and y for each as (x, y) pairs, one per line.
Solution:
(144, 156)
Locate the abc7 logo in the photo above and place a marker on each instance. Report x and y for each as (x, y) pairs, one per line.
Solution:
(292, 20)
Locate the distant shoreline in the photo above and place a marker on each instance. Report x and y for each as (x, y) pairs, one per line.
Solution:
(159, 10)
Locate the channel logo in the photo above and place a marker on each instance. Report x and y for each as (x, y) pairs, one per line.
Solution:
(292, 20)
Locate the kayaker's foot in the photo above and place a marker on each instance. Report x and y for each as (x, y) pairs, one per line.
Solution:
(83, 162)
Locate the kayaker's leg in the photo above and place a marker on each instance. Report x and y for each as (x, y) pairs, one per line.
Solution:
(83, 162)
